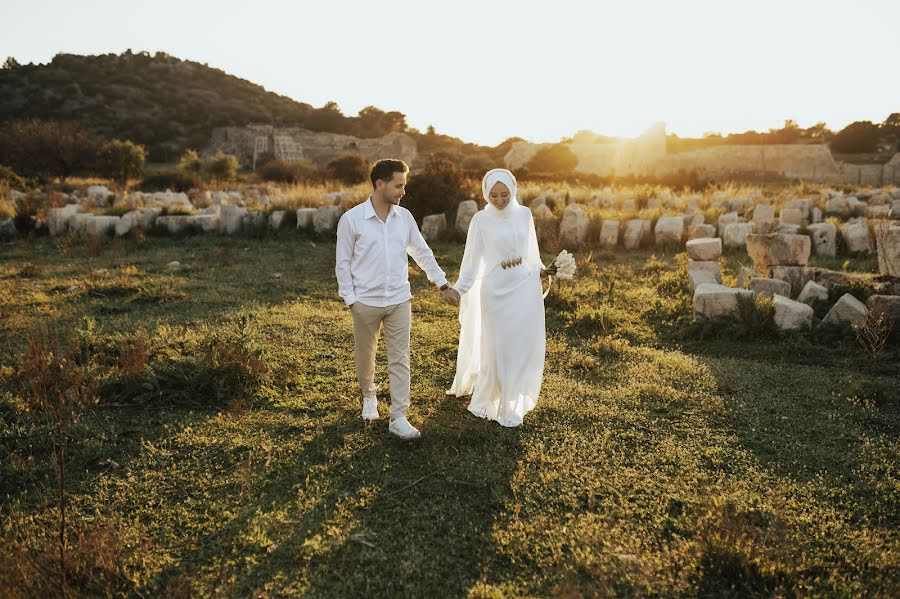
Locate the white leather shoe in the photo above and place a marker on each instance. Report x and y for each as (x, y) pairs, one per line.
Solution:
(403, 429)
(370, 408)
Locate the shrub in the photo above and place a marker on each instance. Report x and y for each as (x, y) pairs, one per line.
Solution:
(121, 160)
(26, 214)
(8, 178)
(56, 381)
(47, 148)
(856, 138)
(227, 367)
(283, 171)
(438, 189)
(557, 158)
(348, 168)
(221, 167)
(174, 180)
(190, 163)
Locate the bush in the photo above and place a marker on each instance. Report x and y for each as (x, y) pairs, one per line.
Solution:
(438, 189)
(190, 163)
(284, 171)
(25, 218)
(221, 167)
(8, 178)
(479, 163)
(557, 158)
(860, 137)
(174, 180)
(227, 367)
(121, 160)
(349, 169)
(47, 148)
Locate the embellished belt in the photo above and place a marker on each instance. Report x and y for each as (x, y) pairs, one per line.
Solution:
(511, 263)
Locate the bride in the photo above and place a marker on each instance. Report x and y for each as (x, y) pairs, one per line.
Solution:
(502, 339)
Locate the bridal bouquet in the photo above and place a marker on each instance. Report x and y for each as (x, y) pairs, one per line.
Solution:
(563, 267)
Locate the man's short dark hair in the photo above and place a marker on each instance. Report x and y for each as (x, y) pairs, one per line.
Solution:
(385, 168)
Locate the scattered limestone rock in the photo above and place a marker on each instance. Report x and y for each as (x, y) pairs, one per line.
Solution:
(713, 300)
(735, 234)
(464, 213)
(824, 239)
(174, 223)
(276, 219)
(609, 233)
(231, 218)
(704, 271)
(791, 216)
(887, 243)
(791, 315)
(704, 249)
(636, 230)
(94, 225)
(857, 237)
(797, 276)
(815, 215)
(775, 249)
(434, 227)
(59, 219)
(326, 218)
(770, 287)
(205, 222)
(839, 206)
(812, 292)
(729, 218)
(847, 309)
(574, 226)
(763, 212)
(669, 230)
(702, 231)
(305, 218)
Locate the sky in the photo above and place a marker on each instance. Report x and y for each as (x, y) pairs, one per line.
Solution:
(487, 70)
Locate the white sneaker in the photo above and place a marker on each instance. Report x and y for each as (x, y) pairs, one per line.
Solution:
(403, 429)
(370, 408)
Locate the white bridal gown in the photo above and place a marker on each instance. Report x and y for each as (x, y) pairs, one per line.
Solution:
(502, 340)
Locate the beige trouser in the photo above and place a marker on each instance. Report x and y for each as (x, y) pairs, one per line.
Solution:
(367, 321)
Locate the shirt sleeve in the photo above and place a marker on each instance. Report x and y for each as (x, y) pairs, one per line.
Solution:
(471, 261)
(343, 256)
(534, 253)
(422, 254)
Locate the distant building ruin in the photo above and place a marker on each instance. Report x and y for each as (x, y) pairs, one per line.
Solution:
(646, 156)
(293, 143)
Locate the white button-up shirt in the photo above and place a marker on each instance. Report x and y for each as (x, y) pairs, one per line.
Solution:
(371, 256)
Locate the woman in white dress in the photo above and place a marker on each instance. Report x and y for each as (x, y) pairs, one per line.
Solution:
(502, 339)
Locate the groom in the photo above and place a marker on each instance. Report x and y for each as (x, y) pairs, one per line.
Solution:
(373, 240)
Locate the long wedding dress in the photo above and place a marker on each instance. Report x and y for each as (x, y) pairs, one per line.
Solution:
(502, 339)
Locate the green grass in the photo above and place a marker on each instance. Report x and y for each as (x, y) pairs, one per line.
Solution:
(656, 464)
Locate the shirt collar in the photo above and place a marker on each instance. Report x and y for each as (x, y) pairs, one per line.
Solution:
(370, 210)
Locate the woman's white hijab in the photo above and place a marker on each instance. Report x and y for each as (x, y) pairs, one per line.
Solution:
(491, 178)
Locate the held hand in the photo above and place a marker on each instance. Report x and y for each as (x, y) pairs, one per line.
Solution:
(544, 275)
(451, 296)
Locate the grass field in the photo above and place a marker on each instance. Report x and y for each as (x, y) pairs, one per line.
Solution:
(664, 458)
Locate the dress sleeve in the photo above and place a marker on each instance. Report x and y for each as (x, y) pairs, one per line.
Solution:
(534, 253)
(472, 258)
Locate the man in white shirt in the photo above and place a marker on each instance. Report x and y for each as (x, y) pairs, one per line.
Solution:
(373, 240)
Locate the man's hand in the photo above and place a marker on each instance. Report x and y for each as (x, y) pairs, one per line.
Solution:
(451, 296)
(544, 275)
